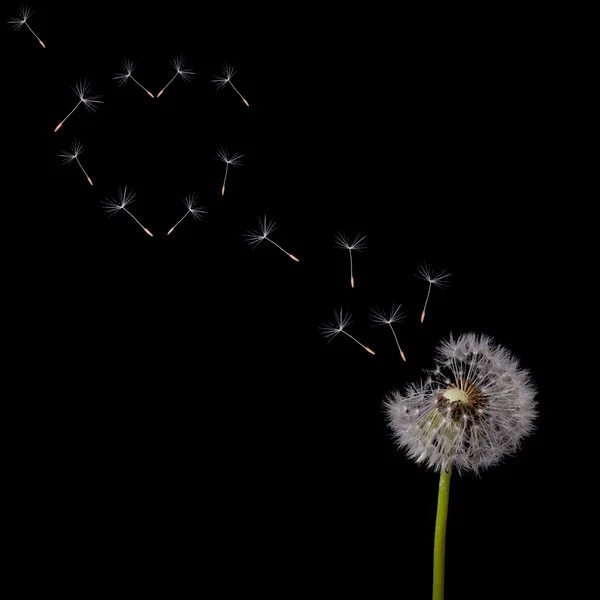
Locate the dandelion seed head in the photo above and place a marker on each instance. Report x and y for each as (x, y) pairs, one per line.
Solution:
(439, 279)
(473, 410)
(125, 197)
(341, 321)
(343, 241)
(235, 159)
(73, 153)
(394, 315)
(20, 20)
(227, 73)
(255, 237)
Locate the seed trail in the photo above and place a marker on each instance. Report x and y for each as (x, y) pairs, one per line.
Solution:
(255, 237)
(225, 78)
(18, 22)
(439, 280)
(342, 321)
(358, 244)
(196, 212)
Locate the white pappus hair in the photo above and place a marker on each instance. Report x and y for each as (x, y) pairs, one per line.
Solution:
(473, 409)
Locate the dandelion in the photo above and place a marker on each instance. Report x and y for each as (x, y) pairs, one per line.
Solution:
(129, 66)
(192, 209)
(179, 70)
(473, 409)
(235, 160)
(21, 19)
(341, 321)
(73, 155)
(358, 245)
(113, 206)
(225, 78)
(82, 89)
(394, 316)
(265, 228)
(439, 280)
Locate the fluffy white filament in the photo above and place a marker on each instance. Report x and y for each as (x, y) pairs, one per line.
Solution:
(474, 408)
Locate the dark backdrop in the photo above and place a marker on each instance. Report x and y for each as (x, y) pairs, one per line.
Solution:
(192, 416)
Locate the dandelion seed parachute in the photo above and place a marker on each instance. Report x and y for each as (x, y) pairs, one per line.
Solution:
(235, 160)
(255, 237)
(125, 198)
(438, 280)
(73, 155)
(341, 321)
(185, 74)
(225, 78)
(82, 89)
(358, 245)
(122, 78)
(394, 316)
(197, 212)
(21, 19)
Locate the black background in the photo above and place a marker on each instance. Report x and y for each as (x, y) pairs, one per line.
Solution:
(194, 427)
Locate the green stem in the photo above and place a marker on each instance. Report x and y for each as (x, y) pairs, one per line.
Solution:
(439, 545)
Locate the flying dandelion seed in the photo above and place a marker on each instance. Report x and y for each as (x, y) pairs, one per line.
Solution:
(185, 74)
(82, 89)
(341, 321)
(235, 160)
(113, 206)
(358, 245)
(228, 73)
(439, 280)
(21, 19)
(129, 66)
(473, 409)
(255, 237)
(394, 316)
(192, 209)
(73, 155)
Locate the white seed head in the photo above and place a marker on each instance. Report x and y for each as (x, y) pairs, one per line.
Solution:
(190, 202)
(341, 321)
(227, 73)
(20, 20)
(265, 228)
(473, 410)
(393, 316)
(71, 155)
(178, 64)
(128, 67)
(112, 205)
(82, 89)
(343, 241)
(439, 279)
(235, 159)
